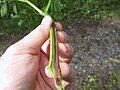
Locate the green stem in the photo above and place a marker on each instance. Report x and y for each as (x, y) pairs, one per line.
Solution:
(53, 65)
(52, 51)
(32, 5)
(48, 6)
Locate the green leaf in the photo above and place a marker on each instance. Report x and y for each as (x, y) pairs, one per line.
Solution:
(15, 8)
(48, 6)
(56, 9)
(19, 16)
(21, 22)
(23, 0)
(4, 9)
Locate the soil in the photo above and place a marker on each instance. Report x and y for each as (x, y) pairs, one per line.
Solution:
(96, 50)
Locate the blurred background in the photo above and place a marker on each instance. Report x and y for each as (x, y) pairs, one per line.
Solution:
(93, 27)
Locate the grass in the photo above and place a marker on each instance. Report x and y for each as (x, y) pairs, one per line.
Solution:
(111, 83)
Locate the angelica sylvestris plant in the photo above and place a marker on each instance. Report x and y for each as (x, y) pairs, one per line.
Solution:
(53, 68)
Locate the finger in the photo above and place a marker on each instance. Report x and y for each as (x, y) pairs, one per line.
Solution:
(66, 71)
(58, 26)
(65, 83)
(65, 52)
(46, 47)
(38, 36)
(62, 38)
(66, 60)
(43, 60)
(0, 59)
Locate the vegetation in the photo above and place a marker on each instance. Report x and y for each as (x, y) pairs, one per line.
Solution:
(93, 83)
(19, 17)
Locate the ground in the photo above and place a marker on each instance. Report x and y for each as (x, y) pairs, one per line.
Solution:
(96, 59)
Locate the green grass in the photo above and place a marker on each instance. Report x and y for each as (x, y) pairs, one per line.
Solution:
(111, 82)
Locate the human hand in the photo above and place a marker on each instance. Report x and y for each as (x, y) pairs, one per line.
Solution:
(22, 66)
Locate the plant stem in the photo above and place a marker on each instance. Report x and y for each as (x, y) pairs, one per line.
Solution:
(53, 65)
(32, 5)
(48, 6)
(52, 51)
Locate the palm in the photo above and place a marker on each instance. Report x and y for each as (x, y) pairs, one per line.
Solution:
(42, 81)
(26, 63)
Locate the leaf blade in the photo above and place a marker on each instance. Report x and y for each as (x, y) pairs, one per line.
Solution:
(4, 9)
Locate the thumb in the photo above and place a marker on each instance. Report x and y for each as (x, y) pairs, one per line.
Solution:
(38, 36)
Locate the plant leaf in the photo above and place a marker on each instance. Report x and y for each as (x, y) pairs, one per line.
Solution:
(4, 9)
(20, 22)
(15, 8)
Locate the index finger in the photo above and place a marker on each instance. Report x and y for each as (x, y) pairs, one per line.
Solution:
(58, 26)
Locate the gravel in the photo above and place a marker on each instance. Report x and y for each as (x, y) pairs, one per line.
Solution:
(97, 50)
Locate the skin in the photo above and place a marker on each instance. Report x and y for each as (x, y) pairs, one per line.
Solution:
(22, 65)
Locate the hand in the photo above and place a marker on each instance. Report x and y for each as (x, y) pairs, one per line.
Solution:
(22, 66)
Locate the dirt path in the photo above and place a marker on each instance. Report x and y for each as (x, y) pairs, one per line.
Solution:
(97, 52)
